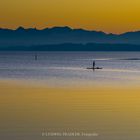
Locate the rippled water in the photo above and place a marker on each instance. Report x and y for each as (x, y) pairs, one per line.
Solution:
(67, 68)
(27, 112)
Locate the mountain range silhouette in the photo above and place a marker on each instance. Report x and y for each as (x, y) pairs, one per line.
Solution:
(21, 37)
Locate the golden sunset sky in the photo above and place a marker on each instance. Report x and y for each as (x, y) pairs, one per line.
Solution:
(114, 16)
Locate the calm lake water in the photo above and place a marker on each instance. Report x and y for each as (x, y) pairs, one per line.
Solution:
(69, 68)
(98, 113)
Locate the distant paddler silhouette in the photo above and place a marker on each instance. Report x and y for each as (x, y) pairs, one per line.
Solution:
(93, 64)
(93, 68)
(36, 57)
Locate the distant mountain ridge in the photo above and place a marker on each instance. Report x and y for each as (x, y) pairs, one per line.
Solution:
(62, 35)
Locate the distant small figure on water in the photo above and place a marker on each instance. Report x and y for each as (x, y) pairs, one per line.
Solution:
(93, 64)
(94, 68)
(36, 57)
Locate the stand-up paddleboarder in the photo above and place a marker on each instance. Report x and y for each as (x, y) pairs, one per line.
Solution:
(93, 67)
(93, 64)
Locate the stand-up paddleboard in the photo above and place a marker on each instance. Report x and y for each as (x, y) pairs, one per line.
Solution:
(96, 68)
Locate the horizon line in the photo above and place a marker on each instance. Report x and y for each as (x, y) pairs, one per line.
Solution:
(35, 28)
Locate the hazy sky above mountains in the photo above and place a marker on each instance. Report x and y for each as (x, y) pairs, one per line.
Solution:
(115, 16)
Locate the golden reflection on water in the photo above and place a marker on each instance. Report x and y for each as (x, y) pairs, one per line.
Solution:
(26, 112)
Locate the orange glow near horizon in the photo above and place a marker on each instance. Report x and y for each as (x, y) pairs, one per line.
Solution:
(114, 16)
